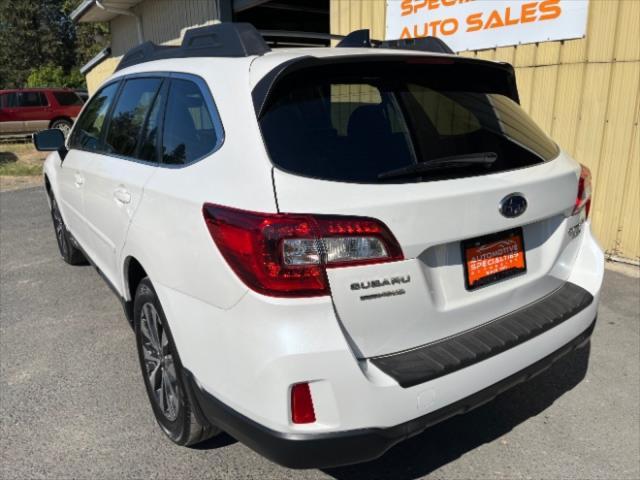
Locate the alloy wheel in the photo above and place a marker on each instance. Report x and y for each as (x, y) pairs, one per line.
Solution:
(159, 362)
(65, 128)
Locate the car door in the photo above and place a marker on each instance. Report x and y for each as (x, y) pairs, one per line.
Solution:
(82, 145)
(10, 121)
(34, 111)
(118, 174)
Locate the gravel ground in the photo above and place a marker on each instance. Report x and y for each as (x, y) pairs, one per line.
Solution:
(73, 405)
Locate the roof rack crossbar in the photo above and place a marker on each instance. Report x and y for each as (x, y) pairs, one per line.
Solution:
(299, 35)
(220, 40)
(425, 44)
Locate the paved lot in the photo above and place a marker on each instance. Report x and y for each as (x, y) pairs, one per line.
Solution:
(72, 403)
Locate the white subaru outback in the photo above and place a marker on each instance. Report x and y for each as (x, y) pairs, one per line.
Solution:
(325, 251)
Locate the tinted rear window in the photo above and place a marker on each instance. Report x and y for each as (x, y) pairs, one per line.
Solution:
(349, 124)
(67, 98)
(189, 131)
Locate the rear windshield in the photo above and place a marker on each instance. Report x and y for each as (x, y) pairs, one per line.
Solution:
(356, 124)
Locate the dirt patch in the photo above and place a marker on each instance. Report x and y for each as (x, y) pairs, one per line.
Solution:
(16, 182)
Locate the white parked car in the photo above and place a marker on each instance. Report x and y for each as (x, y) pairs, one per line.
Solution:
(325, 251)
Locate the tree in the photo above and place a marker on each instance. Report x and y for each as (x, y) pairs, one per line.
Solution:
(38, 35)
(90, 38)
(55, 76)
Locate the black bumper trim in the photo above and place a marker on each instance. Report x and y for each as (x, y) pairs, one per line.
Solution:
(324, 450)
(421, 364)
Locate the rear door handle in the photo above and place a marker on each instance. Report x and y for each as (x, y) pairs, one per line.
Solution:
(79, 179)
(122, 195)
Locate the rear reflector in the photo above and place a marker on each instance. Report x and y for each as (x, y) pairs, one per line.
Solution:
(285, 255)
(583, 199)
(302, 404)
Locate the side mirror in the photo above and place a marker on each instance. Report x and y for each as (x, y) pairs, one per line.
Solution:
(49, 140)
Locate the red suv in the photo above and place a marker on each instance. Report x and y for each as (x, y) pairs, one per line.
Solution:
(28, 110)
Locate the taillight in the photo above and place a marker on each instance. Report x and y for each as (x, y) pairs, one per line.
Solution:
(301, 404)
(583, 199)
(285, 255)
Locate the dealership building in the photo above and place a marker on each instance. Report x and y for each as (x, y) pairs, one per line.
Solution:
(577, 65)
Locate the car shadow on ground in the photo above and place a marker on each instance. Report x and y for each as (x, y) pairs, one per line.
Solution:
(219, 441)
(449, 440)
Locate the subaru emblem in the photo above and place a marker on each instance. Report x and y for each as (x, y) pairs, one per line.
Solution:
(513, 205)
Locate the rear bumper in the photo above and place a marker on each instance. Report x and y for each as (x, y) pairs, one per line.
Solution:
(421, 364)
(316, 450)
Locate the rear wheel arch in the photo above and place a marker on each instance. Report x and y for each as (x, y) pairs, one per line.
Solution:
(134, 272)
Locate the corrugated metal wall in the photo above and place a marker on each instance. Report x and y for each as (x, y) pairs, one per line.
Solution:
(585, 93)
(161, 21)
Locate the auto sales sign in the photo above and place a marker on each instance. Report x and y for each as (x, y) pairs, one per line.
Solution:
(478, 24)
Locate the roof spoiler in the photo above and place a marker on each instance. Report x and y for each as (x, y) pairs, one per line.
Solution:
(503, 78)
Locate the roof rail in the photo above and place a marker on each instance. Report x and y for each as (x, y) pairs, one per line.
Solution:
(220, 40)
(242, 40)
(361, 38)
(294, 38)
(356, 39)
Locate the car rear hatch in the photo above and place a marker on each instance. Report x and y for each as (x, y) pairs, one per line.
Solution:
(477, 196)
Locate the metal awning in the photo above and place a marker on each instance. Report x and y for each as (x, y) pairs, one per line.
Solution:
(89, 11)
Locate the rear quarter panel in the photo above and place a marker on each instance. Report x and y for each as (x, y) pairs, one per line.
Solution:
(168, 234)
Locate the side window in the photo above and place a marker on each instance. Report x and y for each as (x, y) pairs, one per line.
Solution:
(188, 132)
(67, 98)
(88, 129)
(129, 114)
(10, 100)
(32, 99)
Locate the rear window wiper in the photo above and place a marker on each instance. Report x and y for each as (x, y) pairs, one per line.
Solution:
(443, 163)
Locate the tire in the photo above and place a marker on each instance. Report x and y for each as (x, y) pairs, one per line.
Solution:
(69, 251)
(62, 124)
(163, 373)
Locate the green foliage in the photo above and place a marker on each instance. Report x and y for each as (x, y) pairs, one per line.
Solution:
(37, 37)
(55, 76)
(87, 45)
